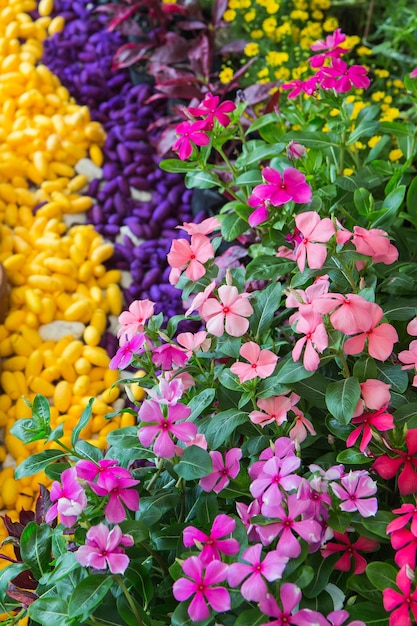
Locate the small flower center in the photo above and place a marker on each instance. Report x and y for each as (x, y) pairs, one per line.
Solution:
(226, 310)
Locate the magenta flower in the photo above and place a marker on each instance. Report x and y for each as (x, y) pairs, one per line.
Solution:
(342, 78)
(299, 87)
(127, 352)
(350, 552)
(355, 491)
(279, 189)
(254, 588)
(212, 544)
(69, 498)
(380, 420)
(190, 133)
(404, 542)
(314, 230)
(261, 362)
(408, 512)
(168, 355)
(246, 512)
(413, 74)
(159, 428)
(167, 391)
(93, 472)
(210, 109)
(103, 548)
(330, 46)
(223, 470)
(133, 321)
(276, 474)
(388, 467)
(201, 587)
(405, 601)
(230, 313)
(308, 617)
(191, 256)
(120, 495)
(290, 596)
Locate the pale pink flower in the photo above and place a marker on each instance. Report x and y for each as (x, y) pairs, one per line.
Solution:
(315, 340)
(69, 499)
(206, 227)
(374, 243)
(375, 394)
(191, 255)
(261, 362)
(201, 586)
(230, 313)
(286, 253)
(193, 342)
(211, 110)
(212, 545)
(133, 321)
(355, 491)
(254, 588)
(223, 470)
(103, 548)
(304, 300)
(295, 150)
(200, 298)
(380, 338)
(409, 358)
(412, 327)
(159, 428)
(342, 78)
(302, 427)
(314, 230)
(351, 313)
(274, 409)
(279, 189)
(190, 133)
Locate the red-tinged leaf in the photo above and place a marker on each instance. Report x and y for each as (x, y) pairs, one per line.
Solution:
(272, 103)
(24, 597)
(166, 141)
(129, 53)
(234, 47)
(193, 25)
(25, 580)
(122, 14)
(109, 7)
(200, 57)
(218, 10)
(258, 93)
(173, 51)
(43, 504)
(185, 91)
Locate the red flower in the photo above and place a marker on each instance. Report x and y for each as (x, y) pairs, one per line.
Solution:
(349, 552)
(380, 420)
(387, 466)
(406, 601)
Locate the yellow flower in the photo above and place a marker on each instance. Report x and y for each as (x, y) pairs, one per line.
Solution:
(388, 99)
(351, 42)
(251, 49)
(374, 140)
(317, 15)
(363, 50)
(395, 155)
(283, 73)
(226, 75)
(348, 171)
(357, 107)
(263, 73)
(276, 58)
(234, 4)
(359, 145)
(378, 96)
(284, 29)
(245, 4)
(299, 15)
(330, 24)
(229, 15)
(249, 16)
(381, 73)
(269, 25)
(390, 114)
(256, 34)
(272, 7)
(334, 112)
(321, 4)
(398, 83)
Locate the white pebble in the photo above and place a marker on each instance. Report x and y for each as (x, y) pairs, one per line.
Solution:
(89, 169)
(59, 329)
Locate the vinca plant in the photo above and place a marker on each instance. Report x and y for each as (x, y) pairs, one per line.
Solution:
(272, 474)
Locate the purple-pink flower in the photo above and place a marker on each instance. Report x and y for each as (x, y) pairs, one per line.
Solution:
(254, 588)
(223, 470)
(161, 425)
(69, 499)
(121, 495)
(103, 548)
(290, 596)
(342, 78)
(211, 110)
(126, 353)
(213, 544)
(203, 585)
(355, 493)
(168, 355)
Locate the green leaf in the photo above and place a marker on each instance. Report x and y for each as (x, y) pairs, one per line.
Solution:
(405, 413)
(265, 305)
(393, 375)
(252, 177)
(339, 521)
(352, 457)
(314, 139)
(365, 368)
(82, 422)
(229, 380)
(7, 574)
(369, 613)
(88, 594)
(411, 199)
(195, 463)
(363, 201)
(27, 430)
(180, 617)
(364, 129)
(200, 402)
(51, 611)
(382, 575)
(126, 438)
(41, 409)
(176, 166)
(138, 530)
(401, 309)
(35, 547)
(256, 151)
(222, 425)
(88, 451)
(65, 564)
(266, 267)
(37, 462)
(323, 568)
(289, 371)
(378, 524)
(233, 226)
(360, 584)
(342, 398)
(200, 180)
(391, 206)
(125, 611)
(312, 389)
(252, 617)
(263, 120)
(154, 507)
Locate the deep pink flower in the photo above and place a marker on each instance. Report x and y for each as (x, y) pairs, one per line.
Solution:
(405, 601)
(69, 499)
(120, 492)
(213, 544)
(93, 472)
(355, 491)
(315, 339)
(191, 255)
(127, 352)
(190, 133)
(276, 477)
(313, 230)
(380, 420)
(290, 596)
(254, 588)
(223, 470)
(261, 362)
(408, 512)
(279, 189)
(342, 78)
(350, 551)
(308, 617)
(299, 87)
(261, 212)
(388, 467)
(201, 586)
(230, 313)
(413, 74)
(404, 543)
(133, 321)
(103, 548)
(210, 109)
(330, 46)
(295, 150)
(246, 512)
(168, 355)
(160, 428)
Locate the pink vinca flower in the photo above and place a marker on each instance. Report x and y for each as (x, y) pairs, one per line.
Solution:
(380, 338)
(133, 321)
(302, 426)
(404, 543)
(290, 596)
(206, 227)
(168, 355)
(403, 602)
(127, 352)
(230, 313)
(161, 426)
(261, 362)
(203, 586)
(254, 588)
(103, 549)
(387, 467)
(223, 470)
(409, 358)
(374, 395)
(374, 243)
(315, 233)
(69, 499)
(407, 513)
(342, 78)
(273, 409)
(413, 74)
(355, 493)
(330, 46)
(299, 87)
(379, 420)
(211, 110)
(213, 544)
(275, 478)
(351, 313)
(350, 554)
(193, 342)
(281, 188)
(167, 391)
(121, 495)
(191, 256)
(246, 512)
(315, 340)
(295, 150)
(308, 617)
(190, 133)
(97, 472)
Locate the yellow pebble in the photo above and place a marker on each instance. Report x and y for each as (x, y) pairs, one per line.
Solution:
(39, 385)
(114, 298)
(82, 366)
(45, 7)
(78, 310)
(56, 26)
(62, 396)
(91, 336)
(96, 355)
(9, 492)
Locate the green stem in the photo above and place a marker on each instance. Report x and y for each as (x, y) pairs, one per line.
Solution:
(157, 558)
(129, 599)
(346, 370)
(346, 273)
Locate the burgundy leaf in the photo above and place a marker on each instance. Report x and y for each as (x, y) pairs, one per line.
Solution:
(122, 14)
(258, 93)
(193, 25)
(174, 50)
(234, 47)
(166, 141)
(273, 102)
(25, 580)
(218, 10)
(130, 53)
(43, 504)
(200, 58)
(24, 597)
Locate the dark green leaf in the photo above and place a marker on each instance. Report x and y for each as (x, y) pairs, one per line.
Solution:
(88, 451)
(88, 594)
(391, 207)
(393, 375)
(200, 180)
(339, 521)
(411, 199)
(402, 309)
(200, 402)
(322, 571)
(363, 201)
(7, 574)
(41, 409)
(37, 462)
(314, 139)
(289, 371)
(252, 617)
(312, 389)
(83, 421)
(223, 425)
(138, 530)
(360, 584)
(353, 457)
(180, 617)
(365, 368)
(35, 548)
(229, 380)
(369, 613)
(405, 413)
(153, 508)
(51, 611)
(194, 463)
(266, 267)
(65, 564)
(233, 226)
(176, 166)
(382, 575)
(342, 398)
(378, 524)
(265, 305)
(28, 430)
(125, 611)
